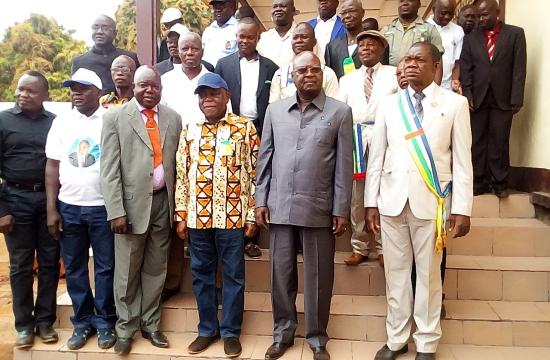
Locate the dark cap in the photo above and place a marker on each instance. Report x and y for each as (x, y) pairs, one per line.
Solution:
(374, 34)
(220, 1)
(211, 80)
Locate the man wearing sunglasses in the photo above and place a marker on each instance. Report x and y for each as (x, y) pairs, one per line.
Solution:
(303, 193)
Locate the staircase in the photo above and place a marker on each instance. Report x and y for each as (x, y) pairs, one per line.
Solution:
(497, 291)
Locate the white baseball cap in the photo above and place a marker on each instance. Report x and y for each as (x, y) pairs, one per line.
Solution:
(178, 28)
(170, 14)
(84, 77)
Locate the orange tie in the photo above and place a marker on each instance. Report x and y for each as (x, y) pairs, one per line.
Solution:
(154, 136)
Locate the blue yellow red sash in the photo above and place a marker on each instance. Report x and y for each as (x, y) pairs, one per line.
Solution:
(359, 164)
(423, 158)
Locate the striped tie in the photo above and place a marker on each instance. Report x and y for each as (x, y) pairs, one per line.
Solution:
(491, 45)
(418, 108)
(368, 84)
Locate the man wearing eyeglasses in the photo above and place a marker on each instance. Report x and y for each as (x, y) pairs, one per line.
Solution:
(101, 55)
(122, 72)
(303, 194)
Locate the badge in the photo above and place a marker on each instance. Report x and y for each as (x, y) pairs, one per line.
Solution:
(348, 65)
(225, 148)
(228, 45)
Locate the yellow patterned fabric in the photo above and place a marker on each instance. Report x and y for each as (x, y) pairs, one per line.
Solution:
(112, 100)
(216, 172)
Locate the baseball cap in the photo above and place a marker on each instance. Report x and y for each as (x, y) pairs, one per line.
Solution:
(85, 77)
(170, 15)
(219, 1)
(178, 29)
(372, 33)
(211, 80)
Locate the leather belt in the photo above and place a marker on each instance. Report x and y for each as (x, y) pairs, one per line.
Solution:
(39, 187)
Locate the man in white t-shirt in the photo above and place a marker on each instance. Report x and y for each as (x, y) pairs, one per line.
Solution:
(452, 37)
(219, 39)
(76, 210)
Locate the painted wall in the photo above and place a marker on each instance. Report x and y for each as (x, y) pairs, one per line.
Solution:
(530, 138)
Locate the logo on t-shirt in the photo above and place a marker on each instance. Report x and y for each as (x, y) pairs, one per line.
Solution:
(84, 152)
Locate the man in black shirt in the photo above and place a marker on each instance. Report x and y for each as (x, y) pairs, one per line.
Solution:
(23, 132)
(102, 54)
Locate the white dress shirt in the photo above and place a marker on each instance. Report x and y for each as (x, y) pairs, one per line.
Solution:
(250, 74)
(323, 32)
(158, 172)
(219, 41)
(275, 47)
(178, 92)
(282, 85)
(452, 37)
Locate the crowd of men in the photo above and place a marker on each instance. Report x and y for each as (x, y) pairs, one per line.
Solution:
(307, 130)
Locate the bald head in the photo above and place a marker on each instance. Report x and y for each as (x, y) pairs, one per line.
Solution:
(488, 14)
(307, 74)
(124, 60)
(190, 37)
(352, 12)
(123, 69)
(103, 31)
(147, 86)
(190, 50)
(303, 38)
(444, 11)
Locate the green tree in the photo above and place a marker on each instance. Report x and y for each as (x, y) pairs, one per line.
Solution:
(196, 16)
(38, 43)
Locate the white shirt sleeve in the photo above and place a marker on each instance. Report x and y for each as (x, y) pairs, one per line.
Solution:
(459, 42)
(54, 145)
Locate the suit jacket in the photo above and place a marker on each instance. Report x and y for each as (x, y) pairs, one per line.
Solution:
(127, 162)
(336, 52)
(338, 30)
(392, 176)
(230, 70)
(304, 171)
(505, 74)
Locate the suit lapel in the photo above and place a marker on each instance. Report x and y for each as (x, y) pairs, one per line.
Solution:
(481, 43)
(137, 123)
(237, 73)
(262, 77)
(164, 123)
(336, 29)
(431, 110)
(501, 42)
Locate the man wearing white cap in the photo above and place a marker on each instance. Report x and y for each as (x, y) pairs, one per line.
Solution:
(169, 18)
(76, 214)
(172, 37)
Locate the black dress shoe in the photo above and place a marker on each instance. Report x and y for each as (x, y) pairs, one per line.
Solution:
(24, 340)
(425, 356)
(232, 347)
(106, 338)
(156, 338)
(320, 353)
(386, 354)
(123, 346)
(47, 334)
(79, 338)
(201, 343)
(276, 350)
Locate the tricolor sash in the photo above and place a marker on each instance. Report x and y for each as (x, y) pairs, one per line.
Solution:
(419, 148)
(359, 164)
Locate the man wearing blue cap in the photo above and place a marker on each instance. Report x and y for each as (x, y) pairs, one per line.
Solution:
(76, 212)
(216, 168)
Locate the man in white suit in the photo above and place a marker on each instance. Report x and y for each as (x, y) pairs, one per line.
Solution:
(362, 90)
(432, 126)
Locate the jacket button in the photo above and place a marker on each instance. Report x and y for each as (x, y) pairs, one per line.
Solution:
(150, 174)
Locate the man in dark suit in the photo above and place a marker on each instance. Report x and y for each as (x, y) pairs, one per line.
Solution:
(248, 76)
(307, 136)
(341, 53)
(493, 69)
(328, 26)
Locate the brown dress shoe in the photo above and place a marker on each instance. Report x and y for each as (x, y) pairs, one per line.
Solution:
(355, 259)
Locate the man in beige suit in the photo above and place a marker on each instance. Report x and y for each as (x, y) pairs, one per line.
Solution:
(420, 120)
(138, 168)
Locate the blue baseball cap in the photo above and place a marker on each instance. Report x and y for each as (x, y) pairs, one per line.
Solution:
(211, 80)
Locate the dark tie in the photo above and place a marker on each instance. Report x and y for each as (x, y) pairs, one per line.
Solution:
(418, 105)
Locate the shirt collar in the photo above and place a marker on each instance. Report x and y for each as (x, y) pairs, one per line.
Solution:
(375, 67)
(232, 21)
(428, 91)
(16, 110)
(141, 108)
(497, 29)
(229, 119)
(417, 21)
(257, 57)
(109, 49)
(332, 19)
(98, 113)
(318, 102)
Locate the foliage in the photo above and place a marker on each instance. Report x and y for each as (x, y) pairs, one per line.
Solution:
(196, 16)
(38, 43)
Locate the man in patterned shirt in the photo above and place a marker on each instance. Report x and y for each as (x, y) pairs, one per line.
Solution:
(216, 170)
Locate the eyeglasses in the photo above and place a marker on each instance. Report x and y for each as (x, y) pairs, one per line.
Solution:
(122, 69)
(102, 27)
(302, 70)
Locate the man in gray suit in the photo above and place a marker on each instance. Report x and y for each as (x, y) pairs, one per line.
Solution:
(303, 192)
(140, 139)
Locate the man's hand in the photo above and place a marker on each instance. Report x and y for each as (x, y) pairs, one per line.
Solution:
(456, 86)
(262, 216)
(460, 224)
(55, 223)
(120, 225)
(250, 230)
(471, 104)
(181, 230)
(372, 220)
(339, 225)
(6, 224)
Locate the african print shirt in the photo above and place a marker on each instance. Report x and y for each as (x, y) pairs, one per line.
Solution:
(111, 100)
(216, 172)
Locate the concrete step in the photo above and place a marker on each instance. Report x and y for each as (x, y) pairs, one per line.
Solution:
(362, 318)
(254, 347)
(517, 205)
